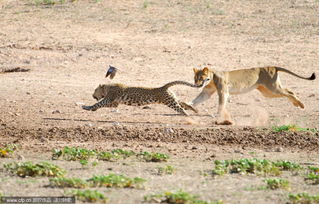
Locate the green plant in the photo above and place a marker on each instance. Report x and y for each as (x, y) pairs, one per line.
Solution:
(30, 169)
(253, 166)
(313, 175)
(115, 180)
(165, 170)
(146, 4)
(83, 162)
(115, 155)
(73, 154)
(292, 128)
(68, 182)
(287, 165)
(45, 2)
(153, 157)
(303, 198)
(8, 150)
(276, 183)
(89, 196)
(312, 178)
(313, 169)
(123, 153)
(179, 197)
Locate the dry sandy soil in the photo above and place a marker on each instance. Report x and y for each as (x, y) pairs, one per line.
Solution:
(68, 47)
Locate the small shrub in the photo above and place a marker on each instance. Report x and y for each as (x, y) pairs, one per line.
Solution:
(30, 169)
(153, 157)
(312, 177)
(244, 166)
(8, 150)
(287, 165)
(73, 154)
(61, 182)
(89, 196)
(123, 153)
(115, 155)
(292, 128)
(115, 180)
(277, 183)
(179, 197)
(253, 166)
(166, 170)
(313, 169)
(303, 198)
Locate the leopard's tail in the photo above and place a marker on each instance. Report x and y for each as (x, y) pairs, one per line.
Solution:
(173, 83)
(280, 69)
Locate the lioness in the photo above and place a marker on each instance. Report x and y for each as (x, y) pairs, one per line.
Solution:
(264, 79)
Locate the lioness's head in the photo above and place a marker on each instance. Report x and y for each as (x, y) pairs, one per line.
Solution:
(100, 92)
(201, 76)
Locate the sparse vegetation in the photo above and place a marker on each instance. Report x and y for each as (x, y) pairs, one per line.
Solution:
(153, 157)
(312, 177)
(73, 154)
(179, 197)
(292, 128)
(277, 183)
(303, 198)
(89, 196)
(165, 170)
(287, 165)
(29, 169)
(8, 150)
(115, 155)
(68, 182)
(253, 166)
(83, 155)
(115, 180)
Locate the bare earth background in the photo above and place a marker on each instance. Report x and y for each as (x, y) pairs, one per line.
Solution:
(68, 47)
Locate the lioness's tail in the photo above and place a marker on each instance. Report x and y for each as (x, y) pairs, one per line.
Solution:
(173, 83)
(312, 77)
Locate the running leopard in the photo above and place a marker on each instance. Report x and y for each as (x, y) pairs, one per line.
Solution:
(111, 95)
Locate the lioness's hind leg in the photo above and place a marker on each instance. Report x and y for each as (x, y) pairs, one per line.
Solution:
(187, 107)
(276, 92)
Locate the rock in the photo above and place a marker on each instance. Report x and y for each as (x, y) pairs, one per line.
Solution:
(55, 112)
(279, 149)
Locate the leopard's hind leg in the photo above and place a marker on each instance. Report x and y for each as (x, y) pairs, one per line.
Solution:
(171, 101)
(188, 107)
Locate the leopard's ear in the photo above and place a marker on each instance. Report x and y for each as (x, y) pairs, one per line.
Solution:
(205, 70)
(195, 70)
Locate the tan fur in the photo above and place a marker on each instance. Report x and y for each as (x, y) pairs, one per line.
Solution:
(264, 79)
(111, 95)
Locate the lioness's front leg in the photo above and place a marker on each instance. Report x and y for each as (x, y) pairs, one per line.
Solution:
(224, 117)
(206, 93)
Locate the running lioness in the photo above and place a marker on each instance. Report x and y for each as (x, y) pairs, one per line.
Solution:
(264, 79)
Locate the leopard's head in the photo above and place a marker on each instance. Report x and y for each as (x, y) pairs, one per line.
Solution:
(100, 92)
(201, 76)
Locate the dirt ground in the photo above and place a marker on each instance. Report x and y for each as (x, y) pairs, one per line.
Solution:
(68, 47)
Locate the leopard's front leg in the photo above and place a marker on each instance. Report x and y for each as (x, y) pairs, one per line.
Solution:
(101, 104)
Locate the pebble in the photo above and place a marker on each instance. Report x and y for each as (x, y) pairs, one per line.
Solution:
(55, 111)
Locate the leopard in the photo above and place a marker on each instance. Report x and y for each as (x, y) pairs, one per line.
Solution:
(265, 79)
(111, 95)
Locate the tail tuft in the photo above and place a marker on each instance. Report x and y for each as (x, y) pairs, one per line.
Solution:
(313, 76)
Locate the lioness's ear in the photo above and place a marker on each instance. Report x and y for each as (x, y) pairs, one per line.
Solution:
(205, 70)
(195, 70)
